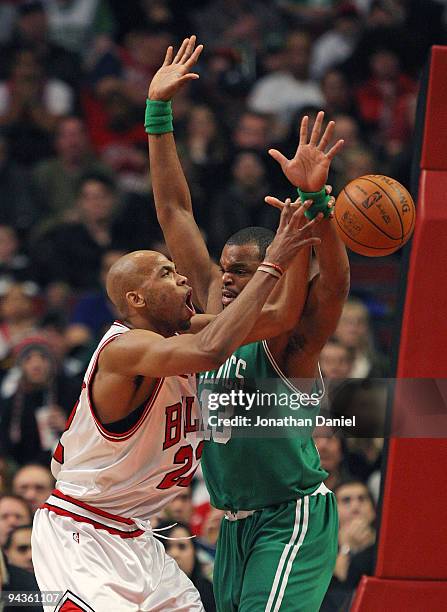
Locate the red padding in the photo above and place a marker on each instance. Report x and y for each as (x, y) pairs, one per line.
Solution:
(390, 595)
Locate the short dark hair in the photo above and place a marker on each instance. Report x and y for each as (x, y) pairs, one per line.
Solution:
(7, 544)
(347, 482)
(260, 236)
(97, 177)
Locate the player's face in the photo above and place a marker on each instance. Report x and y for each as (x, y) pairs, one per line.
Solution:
(182, 551)
(168, 298)
(238, 263)
(353, 501)
(12, 514)
(19, 553)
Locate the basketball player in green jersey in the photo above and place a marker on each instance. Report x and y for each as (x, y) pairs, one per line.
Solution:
(278, 542)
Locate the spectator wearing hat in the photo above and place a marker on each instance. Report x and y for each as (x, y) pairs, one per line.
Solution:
(17, 318)
(39, 400)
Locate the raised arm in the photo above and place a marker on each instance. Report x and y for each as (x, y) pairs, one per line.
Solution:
(171, 192)
(329, 289)
(141, 352)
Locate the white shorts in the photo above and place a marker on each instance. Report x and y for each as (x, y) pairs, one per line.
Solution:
(105, 563)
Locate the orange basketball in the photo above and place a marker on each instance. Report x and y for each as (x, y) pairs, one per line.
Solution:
(375, 215)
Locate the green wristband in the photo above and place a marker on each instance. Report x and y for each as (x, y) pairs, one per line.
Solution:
(320, 202)
(158, 117)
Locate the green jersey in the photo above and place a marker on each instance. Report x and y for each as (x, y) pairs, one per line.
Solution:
(268, 456)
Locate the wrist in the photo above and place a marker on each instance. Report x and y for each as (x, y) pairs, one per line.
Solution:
(320, 202)
(158, 117)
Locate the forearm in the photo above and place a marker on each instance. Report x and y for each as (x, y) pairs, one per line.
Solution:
(229, 329)
(333, 262)
(171, 191)
(284, 306)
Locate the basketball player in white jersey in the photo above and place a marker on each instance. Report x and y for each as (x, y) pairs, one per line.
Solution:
(133, 437)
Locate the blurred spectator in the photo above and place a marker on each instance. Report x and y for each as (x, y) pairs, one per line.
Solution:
(71, 252)
(236, 23)
(365, 399)
(18, 547)
(353, 162)
(356, 543)
(337, 44)
(14, 511)
(74, 24)
(182, 549)
(337, 94)
(180, 509)
(18, 581)
(335, 360)
(14, 265)
(17, 316)
(18, 207)
(252, 131)
(354, 331)
(288, 88)
(57, 178)
(313, 13)
(94, 312)
(31, 31)
(241, 203)
(331, 448)
(30, 105)
(383, 100)
(129, 68)
(34, 413)
(34, 483)
(7, 469)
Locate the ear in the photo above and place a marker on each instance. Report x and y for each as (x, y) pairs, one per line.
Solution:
(135, 299)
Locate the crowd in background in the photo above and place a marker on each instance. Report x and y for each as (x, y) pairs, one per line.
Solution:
(75, 194)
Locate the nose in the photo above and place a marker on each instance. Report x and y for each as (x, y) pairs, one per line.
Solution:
(182, 280)
(227, 279)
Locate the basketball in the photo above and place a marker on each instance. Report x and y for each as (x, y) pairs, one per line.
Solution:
(375, 215)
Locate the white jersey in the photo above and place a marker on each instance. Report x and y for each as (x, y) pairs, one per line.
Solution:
(135, 473)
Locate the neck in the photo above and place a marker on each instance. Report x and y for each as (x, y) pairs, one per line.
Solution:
(136, 321)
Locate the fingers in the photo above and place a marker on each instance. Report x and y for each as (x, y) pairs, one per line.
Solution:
(272, 201)
(181, 51)
(335, 149)
(194, 57)
(316, 129)
(279, 157)
(191, 76)
(168, 56)
(285, 215)
(327, 136)
(328, 189)
(303, 130)
(314, 241)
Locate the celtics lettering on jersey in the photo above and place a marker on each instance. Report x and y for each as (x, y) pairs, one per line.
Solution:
(247, 469)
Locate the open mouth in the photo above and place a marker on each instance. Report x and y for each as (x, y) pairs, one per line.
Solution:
(228, 296)
(189, 304)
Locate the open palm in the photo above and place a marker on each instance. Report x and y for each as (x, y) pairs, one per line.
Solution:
(309, 168)
(175, 72)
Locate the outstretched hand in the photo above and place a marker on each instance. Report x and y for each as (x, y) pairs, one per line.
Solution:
(309, 168)
(175, 72)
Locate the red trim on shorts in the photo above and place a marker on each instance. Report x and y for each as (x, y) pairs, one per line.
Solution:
(83, 519)
(108, 435)
(103, 513)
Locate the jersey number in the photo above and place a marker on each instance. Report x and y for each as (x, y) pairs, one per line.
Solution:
(183, 457)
